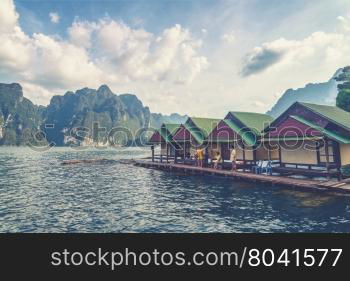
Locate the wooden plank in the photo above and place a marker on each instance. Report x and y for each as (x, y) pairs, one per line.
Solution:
(87, 161)
(303, 183)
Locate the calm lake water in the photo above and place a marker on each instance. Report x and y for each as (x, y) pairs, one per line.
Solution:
(38, 194)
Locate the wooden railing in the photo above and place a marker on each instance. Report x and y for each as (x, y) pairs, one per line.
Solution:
(161, 158)
(309, 166)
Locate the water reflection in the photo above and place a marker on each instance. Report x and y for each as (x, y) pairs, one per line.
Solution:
(38, 194)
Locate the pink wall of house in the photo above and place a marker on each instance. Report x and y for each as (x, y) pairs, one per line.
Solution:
(292, 128)
(222, 132)
(156, 137)
(182, 134)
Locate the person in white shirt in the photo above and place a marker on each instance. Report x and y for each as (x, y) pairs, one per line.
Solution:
(218, 160)
(233, 158)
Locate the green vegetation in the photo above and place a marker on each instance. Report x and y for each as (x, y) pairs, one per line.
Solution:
(20, 119)
(17, 115)
(343, 98)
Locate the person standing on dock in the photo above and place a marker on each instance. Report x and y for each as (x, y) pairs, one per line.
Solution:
(217, 160)
(233, 158)
(200, 157)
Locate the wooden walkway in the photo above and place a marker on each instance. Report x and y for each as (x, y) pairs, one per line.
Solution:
(333, 186)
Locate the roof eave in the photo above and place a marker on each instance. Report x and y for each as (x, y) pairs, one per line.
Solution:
(329, 119)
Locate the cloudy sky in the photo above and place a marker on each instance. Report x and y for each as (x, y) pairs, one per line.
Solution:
(196, 57)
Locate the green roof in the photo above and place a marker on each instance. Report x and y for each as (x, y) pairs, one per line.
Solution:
(291, 139)
(205, 124)
(167, 131)
(326, 132)
(332, 113)
(248, 137)
(172, 128)
(255, 122)
(203, 127)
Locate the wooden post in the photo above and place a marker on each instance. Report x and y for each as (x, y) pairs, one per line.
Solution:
(161, 153)
(254, 154)
(243, 147)
(327, 157)
(279, 154)
(175, 160)
(184, 151)
(167, 153)
(206, 157)
(338, 160)
(152, 148)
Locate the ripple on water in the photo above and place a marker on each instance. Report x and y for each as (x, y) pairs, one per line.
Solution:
(38, 194)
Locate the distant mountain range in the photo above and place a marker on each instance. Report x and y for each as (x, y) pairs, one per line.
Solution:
(320, 93)
(19, 116)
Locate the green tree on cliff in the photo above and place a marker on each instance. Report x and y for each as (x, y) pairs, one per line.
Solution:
(343, 98)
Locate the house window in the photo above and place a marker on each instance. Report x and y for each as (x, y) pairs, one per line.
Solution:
(331, 152)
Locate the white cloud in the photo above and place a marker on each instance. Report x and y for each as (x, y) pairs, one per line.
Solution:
(103, 52)
(331, 48)
(37, 93)
(61, 64)
(258, 104)
(175, 57)
(9, 16)
(312, 59)
(54, 17)
(167, 69)
(16, 51)
(344, 22)
(134, 54)
(80, 33)
(45, 60)
(229, 37)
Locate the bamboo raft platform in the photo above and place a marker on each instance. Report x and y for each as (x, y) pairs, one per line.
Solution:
(87, 161)
(325, 185)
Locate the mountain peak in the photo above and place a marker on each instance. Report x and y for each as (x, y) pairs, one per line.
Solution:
(81, 108)
(130, 99)
(322, 93)
(105, 90)
(15, 89)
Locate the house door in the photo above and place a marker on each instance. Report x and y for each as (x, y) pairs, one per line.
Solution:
(171, 150)
(333, 152)
(225, 151)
